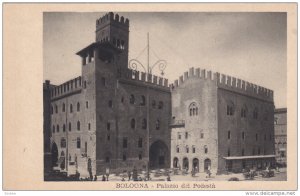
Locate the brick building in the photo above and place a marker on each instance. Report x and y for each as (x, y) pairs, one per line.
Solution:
(110, 117)
(280, 126)
(220, 123)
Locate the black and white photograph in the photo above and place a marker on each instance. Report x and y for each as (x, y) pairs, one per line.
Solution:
(165, 96)
(150, 97)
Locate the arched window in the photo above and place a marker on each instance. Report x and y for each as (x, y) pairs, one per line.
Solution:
(64, 128)
(57, 128)
(160, 105)
(70, 126)
(228, 135)
(51, 109)
(256, 137)
(205, 149)
(132, 99)
(132, 123)
(89, 126)
(244, 111)
(64, 107)
(243, 152)
(78, 125)
(63, 143)
(193, 109)
(255, 113)
(144, 124)
(78, 107)
(194, 149)
(187, 149)
(53, 129)
(56, 109)
(228, 152)
(177, 149)
(230, 108)
(71, 108)
(157, 124)
(143, 100)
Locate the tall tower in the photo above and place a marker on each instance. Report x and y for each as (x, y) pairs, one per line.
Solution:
(114, 30)
(102, 65)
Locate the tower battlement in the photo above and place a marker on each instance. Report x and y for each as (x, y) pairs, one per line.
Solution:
(143, 77)
(226, 82)
(111, 18)
(69, 87)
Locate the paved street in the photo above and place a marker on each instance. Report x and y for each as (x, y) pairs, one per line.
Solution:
(279, 176)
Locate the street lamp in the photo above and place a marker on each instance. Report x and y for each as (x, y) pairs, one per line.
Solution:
(134, 64)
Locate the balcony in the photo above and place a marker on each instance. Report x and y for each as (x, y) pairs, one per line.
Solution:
(177, 123)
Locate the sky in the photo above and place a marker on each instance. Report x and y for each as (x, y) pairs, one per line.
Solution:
(250, 46)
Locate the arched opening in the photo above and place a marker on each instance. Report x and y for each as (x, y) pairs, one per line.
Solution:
(61, 161)
(89, 167)
(159, 155)
(196, 165)
(175, 162)
(185, 164)
(54, 154)
(207, 164)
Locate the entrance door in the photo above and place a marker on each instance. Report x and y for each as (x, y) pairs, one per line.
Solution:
(196, 165)
(158, 155)
(175, 162)
(185, 164)
(207, 164)
(54, 154)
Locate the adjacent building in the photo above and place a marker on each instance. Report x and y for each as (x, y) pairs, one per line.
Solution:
(221, 123)
(280, 126)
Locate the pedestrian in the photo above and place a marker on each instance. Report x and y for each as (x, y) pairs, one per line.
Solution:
(129, 175)
(103, 178)
(95, 178)
(168, 178)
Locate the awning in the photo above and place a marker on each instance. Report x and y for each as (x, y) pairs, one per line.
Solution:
(249, 157)
(60, 160)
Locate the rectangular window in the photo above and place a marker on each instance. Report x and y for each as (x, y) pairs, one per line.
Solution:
(87, 104)
(179, 136)
(85, 147)
(103, 81)
(194, 150)
(202, 135)
(243, 135)
(108, 137)
(186, 135)
(125, 142)
(108, 126)
(229, 135)
(78, 142)
(89, 126)
(140, 143)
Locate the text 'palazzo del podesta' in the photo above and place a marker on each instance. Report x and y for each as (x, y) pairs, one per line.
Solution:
(118, 118)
